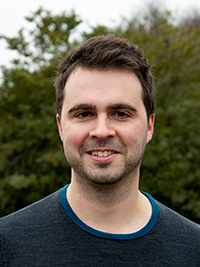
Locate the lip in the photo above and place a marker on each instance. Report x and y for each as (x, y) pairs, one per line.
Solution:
(102, 158)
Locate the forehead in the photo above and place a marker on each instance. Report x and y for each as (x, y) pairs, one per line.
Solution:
(97, 86)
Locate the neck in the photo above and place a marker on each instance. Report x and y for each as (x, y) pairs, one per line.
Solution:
(113, 208)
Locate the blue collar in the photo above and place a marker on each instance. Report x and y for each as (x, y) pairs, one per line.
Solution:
(145, 230)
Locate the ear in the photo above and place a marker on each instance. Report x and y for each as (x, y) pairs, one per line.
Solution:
(58, 119)
(150, 128)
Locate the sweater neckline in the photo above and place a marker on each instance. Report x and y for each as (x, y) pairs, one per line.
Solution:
(145, 230)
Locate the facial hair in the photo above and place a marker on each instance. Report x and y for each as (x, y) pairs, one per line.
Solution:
(105, 173)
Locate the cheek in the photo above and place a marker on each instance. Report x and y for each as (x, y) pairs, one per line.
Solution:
(72, 137)
(133, 135)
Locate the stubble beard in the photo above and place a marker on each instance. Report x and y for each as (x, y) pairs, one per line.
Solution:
(105, 174)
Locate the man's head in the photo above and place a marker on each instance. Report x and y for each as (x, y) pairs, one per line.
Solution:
(107, 53)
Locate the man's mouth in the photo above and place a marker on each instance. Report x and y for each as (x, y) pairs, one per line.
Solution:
(101, 153)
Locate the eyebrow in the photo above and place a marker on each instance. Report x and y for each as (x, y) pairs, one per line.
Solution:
(116, 106)
(122, 106)
(82, 107)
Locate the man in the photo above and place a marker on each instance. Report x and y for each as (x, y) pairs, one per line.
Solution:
(105, 117)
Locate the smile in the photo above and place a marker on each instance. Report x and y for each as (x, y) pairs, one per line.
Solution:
(102, 153)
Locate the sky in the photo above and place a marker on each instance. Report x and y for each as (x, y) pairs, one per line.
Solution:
(92, 12)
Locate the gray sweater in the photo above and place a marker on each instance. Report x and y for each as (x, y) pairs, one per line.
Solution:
(48, 233)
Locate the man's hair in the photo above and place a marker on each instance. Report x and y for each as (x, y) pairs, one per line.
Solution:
(106, 53)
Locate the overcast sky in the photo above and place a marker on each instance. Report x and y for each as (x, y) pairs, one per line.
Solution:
(92, 12)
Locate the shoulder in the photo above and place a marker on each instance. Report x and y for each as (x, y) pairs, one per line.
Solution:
(37, 212)
(176, 224)
(27, 236)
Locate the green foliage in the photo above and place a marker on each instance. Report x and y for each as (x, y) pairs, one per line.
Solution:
(53, 32)
(49, 37)
(32, 162)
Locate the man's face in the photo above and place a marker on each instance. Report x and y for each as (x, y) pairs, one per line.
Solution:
(104, 125)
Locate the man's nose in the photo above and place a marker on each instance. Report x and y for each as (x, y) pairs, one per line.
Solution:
(102, 128)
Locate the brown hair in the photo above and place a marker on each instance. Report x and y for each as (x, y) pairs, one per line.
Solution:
(107, 53)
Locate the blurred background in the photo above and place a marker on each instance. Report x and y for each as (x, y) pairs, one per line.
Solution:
(33, 39)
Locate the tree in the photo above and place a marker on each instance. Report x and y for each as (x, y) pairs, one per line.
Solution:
(32, 162)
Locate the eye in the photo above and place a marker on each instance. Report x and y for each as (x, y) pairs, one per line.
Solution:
(84, 114)
(121, 114)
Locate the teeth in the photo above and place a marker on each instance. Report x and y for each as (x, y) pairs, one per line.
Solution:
(102, 153)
